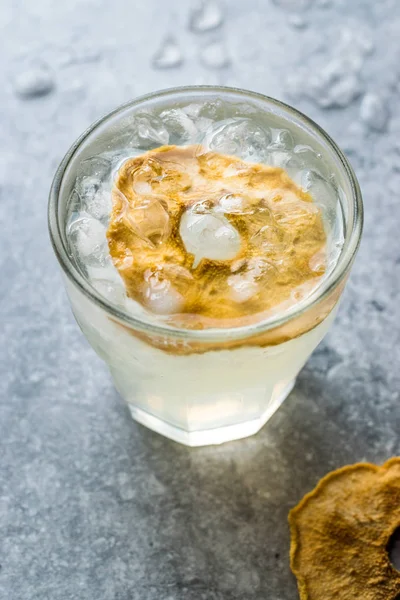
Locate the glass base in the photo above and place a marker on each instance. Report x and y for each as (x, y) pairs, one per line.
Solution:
(208, 437)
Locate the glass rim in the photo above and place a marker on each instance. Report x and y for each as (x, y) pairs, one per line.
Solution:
(338, 273)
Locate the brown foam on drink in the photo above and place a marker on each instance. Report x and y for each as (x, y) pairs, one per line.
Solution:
(282, 238)
(340, 534)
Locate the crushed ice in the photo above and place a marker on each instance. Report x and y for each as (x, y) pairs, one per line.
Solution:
(206, 232)
(334, 82)
(241, 137)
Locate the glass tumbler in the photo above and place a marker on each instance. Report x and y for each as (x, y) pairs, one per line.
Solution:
(210, 386)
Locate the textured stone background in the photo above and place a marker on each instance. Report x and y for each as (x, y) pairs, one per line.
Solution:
(92, 505)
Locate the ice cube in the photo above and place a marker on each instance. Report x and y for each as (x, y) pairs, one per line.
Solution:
(282, 158)
(88, 240)
(94, 200)
(308, 158)
(180, 277)
(213, 109)
(160, 295)
(97, 167)
(112, 291)
(241, 137)
(323, 191)
(144, 176)
(168, 55)
(208, 235)
(74, 205)
(192, 110)
(127, 261)
(283, 140)
(37, 80)
(99, 205)
(270, 238)
(206, 15)
(242, 288)
(107, 272)
(245, 284)
(374, 112)
(181, 127)
(234, 204)
(142, 187)
(149, 219)
(148, 131)
(93, 187)
(203, 125)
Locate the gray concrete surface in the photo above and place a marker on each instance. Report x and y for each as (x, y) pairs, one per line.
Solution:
(92, 505)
